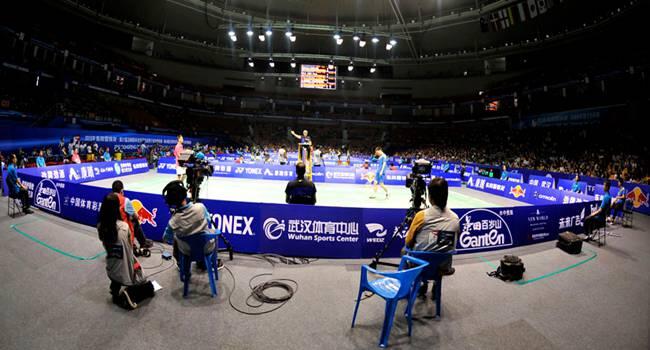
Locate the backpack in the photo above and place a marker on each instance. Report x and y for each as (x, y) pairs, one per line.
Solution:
(511, 269)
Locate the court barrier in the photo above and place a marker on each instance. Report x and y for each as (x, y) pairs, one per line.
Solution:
(327, 174)
(316, 231)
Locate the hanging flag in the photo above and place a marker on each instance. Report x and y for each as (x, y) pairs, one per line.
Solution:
(522, 11)
(532, 8)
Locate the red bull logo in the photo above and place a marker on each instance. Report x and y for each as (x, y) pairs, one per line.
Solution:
(517, 191)
(637, 197)
(144, 214)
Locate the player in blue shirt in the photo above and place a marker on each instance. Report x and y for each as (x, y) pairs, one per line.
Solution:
(382, 165)
(619, 201)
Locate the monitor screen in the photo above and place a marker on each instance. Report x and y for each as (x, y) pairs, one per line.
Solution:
(317, 76)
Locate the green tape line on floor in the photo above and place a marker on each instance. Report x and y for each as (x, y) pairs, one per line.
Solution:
(54, 249)
(524, 282)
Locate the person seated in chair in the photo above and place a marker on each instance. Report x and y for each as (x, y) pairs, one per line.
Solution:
(128, 284)
(597, 218)
(619, 201)
(130, 216)
(300, 190)
(16, 188)
(423, 233)
(187, 219)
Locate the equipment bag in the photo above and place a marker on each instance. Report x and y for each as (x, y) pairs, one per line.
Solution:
(569, 242)
(511, 269)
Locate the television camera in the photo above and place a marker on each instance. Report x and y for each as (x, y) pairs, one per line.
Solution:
(417, 182)
(197, 169)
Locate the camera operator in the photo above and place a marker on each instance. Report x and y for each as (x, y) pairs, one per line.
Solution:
(423, 234)
(187, 219)
(300, 190)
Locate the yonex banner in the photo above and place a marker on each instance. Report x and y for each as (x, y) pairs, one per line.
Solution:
(84, 172)
(525, 192)
(333, 232)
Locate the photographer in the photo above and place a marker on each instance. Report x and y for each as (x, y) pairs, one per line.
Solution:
(300, 190)
(128, 284)
(128, 215)
(423, 234)
(187, 219)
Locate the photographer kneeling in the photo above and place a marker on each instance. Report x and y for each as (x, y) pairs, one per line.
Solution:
(128, 284)
(187, 219)
(423, 234)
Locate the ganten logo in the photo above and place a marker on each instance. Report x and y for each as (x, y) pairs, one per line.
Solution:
(483, 228)
(46, 196)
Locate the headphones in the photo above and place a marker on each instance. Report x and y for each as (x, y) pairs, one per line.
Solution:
(174, 194)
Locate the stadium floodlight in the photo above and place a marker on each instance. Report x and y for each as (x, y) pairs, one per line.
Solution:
(249, 32)
(331, 65)
(388, 46)
(373, 68)
(362, 42)
(339, 41)
(293, 38)
(337, 36)
(293, 63)
(393, 42)
(268, 32)
(251, 63)
(351, 66)
(271, 62)
(231, 33)
(288, 33)
(233, 38)
(375, 39)
(356, 37)
(261, 36)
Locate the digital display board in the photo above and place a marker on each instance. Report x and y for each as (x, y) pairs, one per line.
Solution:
(317, 76)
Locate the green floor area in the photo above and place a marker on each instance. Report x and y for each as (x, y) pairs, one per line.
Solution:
(328, 194)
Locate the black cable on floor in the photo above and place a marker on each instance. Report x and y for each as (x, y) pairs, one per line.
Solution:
(258, 293)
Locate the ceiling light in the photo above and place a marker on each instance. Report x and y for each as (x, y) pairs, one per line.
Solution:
(292, 38)
(249, 32)
(393, 42)
(268, 32)
(362, 42)
(375, 40)
(251, 63)
(339, 41)
(389, 46)
(233, 38)
(351, 66)
(337, 36)
(271, 63)
(293, 63)
(288, 33)
(231, 32)
(356, 37)
(331, 65)
(373, 68)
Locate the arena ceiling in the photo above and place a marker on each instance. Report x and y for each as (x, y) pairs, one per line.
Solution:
(407, 32)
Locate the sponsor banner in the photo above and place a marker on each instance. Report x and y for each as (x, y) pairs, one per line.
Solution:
(314, 231)
(542, 181)
(84, 172)
(515, 177)
(27, 138)
(599, 192)
(638, 195)
(525, 192)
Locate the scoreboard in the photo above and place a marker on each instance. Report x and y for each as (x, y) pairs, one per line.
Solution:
(315, 76)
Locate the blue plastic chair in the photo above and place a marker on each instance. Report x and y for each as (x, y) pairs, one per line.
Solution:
(394, 286)
(197, 244)
(432, 272)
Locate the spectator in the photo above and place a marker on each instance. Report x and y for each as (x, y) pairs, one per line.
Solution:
(107, 155)
(576, 184)
(300, 190)
(16, 188)
(75, 157)
(128, 285)
(430, 228)
(504, 173)
(40, 161)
